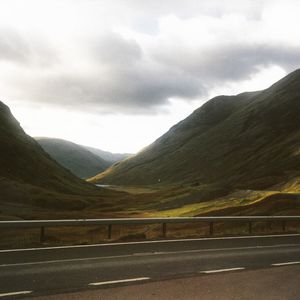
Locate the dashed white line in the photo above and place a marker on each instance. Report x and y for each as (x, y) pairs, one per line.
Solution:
(286, 263)
(61, 261)
(15, 293)
(145, 254)
(119, 281)
(222, 270)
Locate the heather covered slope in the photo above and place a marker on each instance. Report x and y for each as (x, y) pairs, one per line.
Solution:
(248, 141)
(76, 158)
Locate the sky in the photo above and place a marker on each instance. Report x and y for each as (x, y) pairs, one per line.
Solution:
(117, 74)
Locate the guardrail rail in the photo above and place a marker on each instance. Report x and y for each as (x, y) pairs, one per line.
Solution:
(140, 221)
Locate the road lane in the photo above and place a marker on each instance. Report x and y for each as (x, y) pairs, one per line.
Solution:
(119, 249)
(43, 271)
(260, 284)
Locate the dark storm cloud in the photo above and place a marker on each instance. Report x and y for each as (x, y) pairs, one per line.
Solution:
(124, 80)
(130, 90)
(231, 62)
(121, 80)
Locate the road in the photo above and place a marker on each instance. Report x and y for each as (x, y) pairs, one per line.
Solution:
(259, 284)
(34, 272)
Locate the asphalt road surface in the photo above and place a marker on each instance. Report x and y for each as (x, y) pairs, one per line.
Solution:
(281, 283)
(36, 272)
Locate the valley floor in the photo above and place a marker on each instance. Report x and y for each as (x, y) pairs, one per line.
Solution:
(147, 201)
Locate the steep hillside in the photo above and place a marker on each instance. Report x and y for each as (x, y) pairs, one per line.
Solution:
(24, 161)
(35, 186)
(76, 158)
(248, 141)
(108, 156)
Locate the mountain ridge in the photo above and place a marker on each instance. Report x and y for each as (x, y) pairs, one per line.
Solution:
(76, 158)
(246, 126)
(108, 156)
(34, 186)
(22, 159)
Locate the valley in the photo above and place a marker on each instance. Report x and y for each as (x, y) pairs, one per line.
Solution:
(235, 155)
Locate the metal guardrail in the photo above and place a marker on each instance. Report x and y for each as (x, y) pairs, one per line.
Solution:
(141, 221)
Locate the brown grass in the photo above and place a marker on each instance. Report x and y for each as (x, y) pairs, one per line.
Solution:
(57, 236)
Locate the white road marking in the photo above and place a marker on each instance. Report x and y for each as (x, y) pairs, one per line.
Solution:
(120, 281)
(222, 270)
(62, 261)
(150, 242)
(145, 254)
(15, 293)
(286, 263)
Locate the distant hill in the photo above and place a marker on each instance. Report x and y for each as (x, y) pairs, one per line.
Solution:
(80, 161)
(248, 141)
(108, 156)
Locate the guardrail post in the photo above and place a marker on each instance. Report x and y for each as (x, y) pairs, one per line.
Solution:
(164, 229)
(42, 234)
(283, 224)
(211, 228)
(109, 232)
(250, 227)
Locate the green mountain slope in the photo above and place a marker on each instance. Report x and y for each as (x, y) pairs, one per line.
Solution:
(24, 161)
(248, 141)
(76, 158)
(34, 186)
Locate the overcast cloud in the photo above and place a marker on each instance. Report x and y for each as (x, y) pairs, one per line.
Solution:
(135, 57)
(179, 51)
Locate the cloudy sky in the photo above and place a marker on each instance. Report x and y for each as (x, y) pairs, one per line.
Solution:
(116, 74)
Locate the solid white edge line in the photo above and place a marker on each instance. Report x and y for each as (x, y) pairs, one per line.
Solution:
(150, 242)
(286, 263)
(15, 293)
(145, 254)
(118, 281)
(222, 270)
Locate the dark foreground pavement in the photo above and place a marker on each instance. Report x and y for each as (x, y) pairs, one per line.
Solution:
(280, 283)
(138, 266)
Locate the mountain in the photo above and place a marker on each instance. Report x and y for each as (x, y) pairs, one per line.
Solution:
(108, 156)
(76, 158)
(247, 141)
(32, 184)
(23, 160)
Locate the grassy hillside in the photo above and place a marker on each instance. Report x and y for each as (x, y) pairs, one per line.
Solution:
(76, 158)
(248, 141)
(33, 185)
(23, 160)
